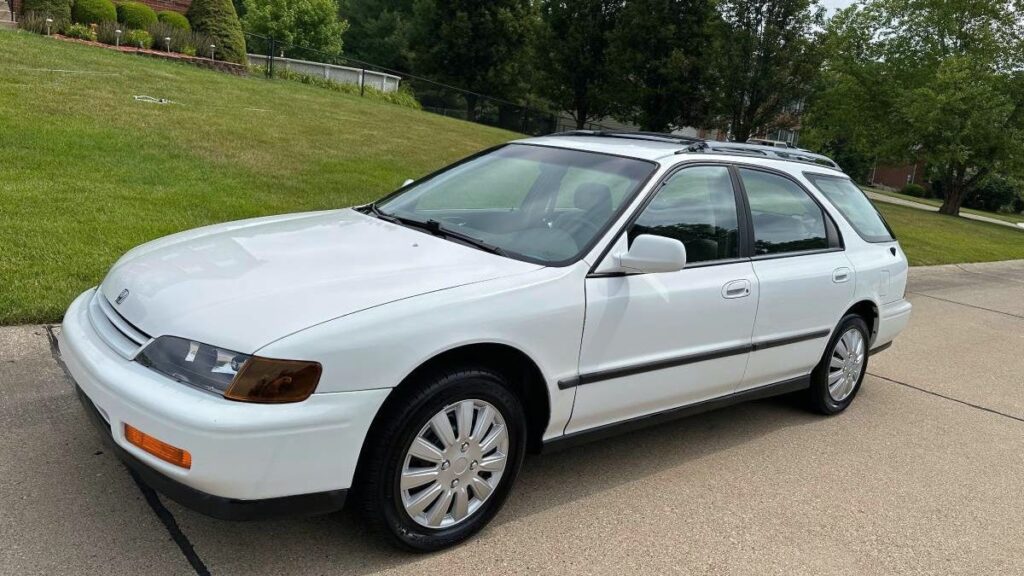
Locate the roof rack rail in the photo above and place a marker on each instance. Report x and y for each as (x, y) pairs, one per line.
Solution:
(652, 136)
(791, 154)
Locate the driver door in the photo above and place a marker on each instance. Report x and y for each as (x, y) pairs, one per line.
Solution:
(656, 341)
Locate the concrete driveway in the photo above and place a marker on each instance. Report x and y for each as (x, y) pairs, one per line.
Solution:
(922, 475)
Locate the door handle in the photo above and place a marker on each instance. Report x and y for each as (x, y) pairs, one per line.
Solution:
(736, 289)
(840, 275)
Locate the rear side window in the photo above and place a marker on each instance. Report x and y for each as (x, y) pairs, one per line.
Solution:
(854, 205)
(785, 218)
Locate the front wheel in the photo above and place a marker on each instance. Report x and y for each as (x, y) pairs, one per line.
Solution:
(441, 461)
(837, 378)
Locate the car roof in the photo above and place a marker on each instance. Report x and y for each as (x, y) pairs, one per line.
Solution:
(659, 147)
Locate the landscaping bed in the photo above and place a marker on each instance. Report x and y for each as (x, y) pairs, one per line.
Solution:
(218, 65)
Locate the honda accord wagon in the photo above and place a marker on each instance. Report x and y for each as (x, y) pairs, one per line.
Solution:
(404, 355)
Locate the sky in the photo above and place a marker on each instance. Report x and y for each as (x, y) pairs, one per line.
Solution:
(834, 5)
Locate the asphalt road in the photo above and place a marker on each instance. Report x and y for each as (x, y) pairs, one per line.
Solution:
(922, 475)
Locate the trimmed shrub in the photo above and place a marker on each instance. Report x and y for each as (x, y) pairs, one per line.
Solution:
(218, 20)
(105, 33)
(137, 38)
(915, 190)
(36, 22)
(172, 18)
(81, 31)
(58, 10)
(994, 193)
(93, 11)
(135, 15)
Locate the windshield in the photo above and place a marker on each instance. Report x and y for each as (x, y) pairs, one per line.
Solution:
(542, 204)
(855, 206)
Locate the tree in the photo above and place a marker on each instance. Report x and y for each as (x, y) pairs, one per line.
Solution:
(938, 81)
(307, 29)
(660, 52)
(479, 45)
(766, 62)
(379, 31)
(573, 43)
(218, 20)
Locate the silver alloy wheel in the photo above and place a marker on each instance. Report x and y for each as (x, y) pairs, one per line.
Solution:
(454, 464)
(846, 364)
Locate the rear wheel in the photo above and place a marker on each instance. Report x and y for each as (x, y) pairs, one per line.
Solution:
(837, 378)
(441, 461)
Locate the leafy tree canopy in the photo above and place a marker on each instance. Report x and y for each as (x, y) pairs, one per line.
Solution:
(938, 80)
(573, 52)
(660, 55)
(307, 29)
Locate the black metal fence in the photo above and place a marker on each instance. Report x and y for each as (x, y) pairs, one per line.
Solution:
(433, 96)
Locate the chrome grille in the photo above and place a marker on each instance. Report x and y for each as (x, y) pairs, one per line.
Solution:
(113, 329)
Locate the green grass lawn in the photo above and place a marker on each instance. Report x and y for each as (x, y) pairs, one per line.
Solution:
(932, 238)
(1012, 218)
(87, 172)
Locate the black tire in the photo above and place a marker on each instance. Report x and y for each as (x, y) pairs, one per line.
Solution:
(819, 397)
(376, 491)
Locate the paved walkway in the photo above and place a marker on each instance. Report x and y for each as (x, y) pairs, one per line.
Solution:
(911, 204)
(922, 475)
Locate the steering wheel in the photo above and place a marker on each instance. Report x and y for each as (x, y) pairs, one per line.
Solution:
(575, 224)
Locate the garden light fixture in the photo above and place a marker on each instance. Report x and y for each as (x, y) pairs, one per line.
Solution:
(48, 22)
(167, 43)
(117, 38)
(213, 47)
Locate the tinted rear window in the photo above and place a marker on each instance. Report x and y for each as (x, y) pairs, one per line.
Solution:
(854, 205)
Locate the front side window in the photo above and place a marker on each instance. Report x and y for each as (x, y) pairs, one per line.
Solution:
(785, 218)
(696, 206)
(854, 205)
(536, 203)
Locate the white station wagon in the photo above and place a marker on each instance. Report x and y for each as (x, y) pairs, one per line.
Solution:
(404, 355)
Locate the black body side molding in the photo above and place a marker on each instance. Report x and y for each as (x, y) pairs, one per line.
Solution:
(584, 436)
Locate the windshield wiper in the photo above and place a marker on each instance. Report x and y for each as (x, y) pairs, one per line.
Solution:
(437, 229)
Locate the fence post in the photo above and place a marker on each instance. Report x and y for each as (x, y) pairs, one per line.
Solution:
(270, 57)
(362, 80)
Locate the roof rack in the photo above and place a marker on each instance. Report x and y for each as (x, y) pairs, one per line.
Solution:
(791, 154)
(651, 136)
(715, 146)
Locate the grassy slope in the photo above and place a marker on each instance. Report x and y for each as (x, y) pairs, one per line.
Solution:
(1012, 218)
(86, 172)
(931, 238)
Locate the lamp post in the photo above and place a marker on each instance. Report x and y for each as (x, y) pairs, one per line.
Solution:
(167, 43)
(117, 38)
(213, 54)
(49, 21)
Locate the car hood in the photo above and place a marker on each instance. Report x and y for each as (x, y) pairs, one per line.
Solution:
(245, 284)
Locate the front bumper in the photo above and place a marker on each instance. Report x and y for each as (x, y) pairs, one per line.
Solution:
(215, 506)
(302, 454)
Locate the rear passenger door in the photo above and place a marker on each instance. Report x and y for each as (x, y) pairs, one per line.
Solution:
(806, 282)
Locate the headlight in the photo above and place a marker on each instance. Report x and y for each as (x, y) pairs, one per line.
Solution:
(235, 376)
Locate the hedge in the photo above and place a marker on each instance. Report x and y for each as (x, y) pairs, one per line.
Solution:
(218, 20)
(93, 11)
(172, 18)
(135, 15)
(59, 10)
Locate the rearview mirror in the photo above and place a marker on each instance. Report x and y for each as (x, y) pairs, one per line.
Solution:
(407, 182)
(651, 253)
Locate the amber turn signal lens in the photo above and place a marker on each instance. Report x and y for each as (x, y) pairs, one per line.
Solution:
(161, 450)
(274, 381)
